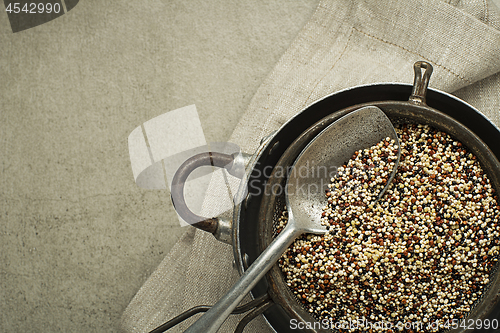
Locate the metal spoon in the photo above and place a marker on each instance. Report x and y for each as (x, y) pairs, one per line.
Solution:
(311, 172)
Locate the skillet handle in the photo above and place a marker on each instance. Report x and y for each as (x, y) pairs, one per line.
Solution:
(214, 225)
(421, 82)
(258, 306)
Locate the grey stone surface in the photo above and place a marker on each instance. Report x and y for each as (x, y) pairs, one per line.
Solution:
(77, 237)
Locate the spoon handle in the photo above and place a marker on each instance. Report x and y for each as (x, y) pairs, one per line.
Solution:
(215, 317)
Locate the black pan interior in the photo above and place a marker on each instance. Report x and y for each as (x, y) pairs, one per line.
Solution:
(248, 233)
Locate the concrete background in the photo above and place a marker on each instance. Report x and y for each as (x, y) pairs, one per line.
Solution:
(78, 238)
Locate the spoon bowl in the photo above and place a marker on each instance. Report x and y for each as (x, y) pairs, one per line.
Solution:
(317, 164)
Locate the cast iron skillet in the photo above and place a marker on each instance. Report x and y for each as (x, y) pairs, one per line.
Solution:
(253, 219)
(413, 110)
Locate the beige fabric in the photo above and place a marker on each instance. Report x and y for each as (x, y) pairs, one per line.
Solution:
(346, 43)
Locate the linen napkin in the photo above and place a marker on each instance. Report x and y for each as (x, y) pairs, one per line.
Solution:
(345, 43)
